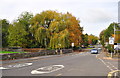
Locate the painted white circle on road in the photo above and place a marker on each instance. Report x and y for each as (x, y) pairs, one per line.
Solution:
(47, 69)
(15, 65)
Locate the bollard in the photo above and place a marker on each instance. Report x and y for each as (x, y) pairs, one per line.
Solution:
(61, 52)
(56, 52)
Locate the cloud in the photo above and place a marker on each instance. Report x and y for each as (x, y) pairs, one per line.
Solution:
(92, 13)
(96, 15)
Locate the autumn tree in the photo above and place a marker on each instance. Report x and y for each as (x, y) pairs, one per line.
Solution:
(92, 40)
(59, 29)
(75, 31)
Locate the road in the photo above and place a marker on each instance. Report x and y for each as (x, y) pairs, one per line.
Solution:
(73, 64)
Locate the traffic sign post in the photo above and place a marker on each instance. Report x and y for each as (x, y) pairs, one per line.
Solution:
(72, 44)
(111, 41)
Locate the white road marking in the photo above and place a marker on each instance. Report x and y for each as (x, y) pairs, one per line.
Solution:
(97, 55)
(47, 69)
(16, 65)
(58, 74)
(106, 65)
(3, 68)
(112, 66)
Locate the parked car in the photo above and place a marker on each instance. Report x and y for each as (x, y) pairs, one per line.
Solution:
(94, 51)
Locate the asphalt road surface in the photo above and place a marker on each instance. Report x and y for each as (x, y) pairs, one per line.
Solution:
(73, 64)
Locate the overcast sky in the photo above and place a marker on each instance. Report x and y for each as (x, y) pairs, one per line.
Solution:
(95, 15)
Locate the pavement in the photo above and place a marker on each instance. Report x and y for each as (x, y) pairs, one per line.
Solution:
(72, 64)
(102, 55)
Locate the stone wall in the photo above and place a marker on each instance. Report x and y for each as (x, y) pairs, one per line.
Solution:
(12, 56)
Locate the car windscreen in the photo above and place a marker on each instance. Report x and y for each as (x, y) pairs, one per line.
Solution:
(94, 49)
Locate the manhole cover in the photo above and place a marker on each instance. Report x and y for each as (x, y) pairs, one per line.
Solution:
(47, 69)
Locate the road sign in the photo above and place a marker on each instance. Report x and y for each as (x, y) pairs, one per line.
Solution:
(116, 45)
(111, 40)
(72, 44)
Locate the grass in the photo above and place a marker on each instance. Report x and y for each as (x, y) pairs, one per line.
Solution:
(89, 48)
(10, 52)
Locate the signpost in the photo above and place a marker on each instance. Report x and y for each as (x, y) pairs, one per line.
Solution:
(72, 44)
(111, 41)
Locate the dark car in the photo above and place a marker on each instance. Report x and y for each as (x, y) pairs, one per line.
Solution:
(94, 51)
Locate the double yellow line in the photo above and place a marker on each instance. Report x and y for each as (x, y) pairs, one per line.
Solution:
(110, 74)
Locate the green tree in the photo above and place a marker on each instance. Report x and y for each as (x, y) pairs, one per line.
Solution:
(17, 35)
(40, 24)
(102, 38)
(5, 25)
(24, 20)
(105, 34)
(85, 39)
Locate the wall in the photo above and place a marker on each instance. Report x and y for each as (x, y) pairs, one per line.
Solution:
(12, 56)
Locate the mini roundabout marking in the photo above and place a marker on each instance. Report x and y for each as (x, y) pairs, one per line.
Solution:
(47, 69)
(15, 66)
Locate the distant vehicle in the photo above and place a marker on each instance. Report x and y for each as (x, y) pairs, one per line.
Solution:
(92, 47)
(94, 51)
(99, 48)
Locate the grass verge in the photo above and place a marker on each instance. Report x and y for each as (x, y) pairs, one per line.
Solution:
(11, 52)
